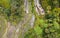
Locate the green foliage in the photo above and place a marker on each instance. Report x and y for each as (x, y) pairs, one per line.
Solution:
(12, 10)
(48, 26)
(30, 34)
(38, 30)
(5, 3)
(3, 25)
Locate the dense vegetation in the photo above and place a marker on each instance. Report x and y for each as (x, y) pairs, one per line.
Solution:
(45, 26)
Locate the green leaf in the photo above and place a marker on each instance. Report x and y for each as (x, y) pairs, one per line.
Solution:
(38, 30)
(45, 25)
(5, 3)
(41, 21)
(56, 25)
(52, 30)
